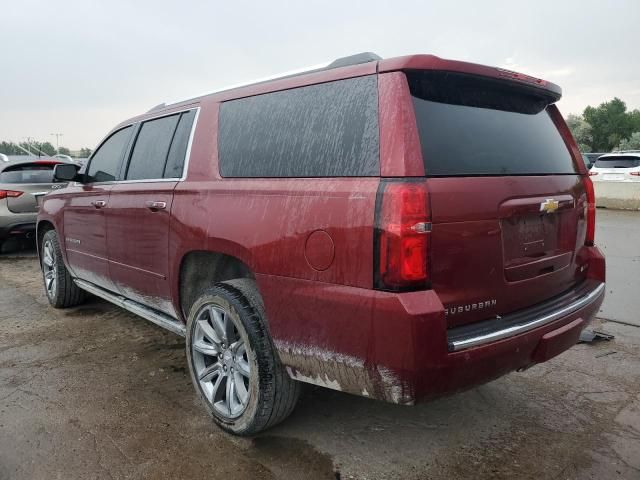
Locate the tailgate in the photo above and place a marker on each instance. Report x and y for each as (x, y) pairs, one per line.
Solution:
(30, 199)
(28, 181)
(493, 253)
(507, 201)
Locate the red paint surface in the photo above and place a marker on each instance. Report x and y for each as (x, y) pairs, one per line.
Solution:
(320, 298)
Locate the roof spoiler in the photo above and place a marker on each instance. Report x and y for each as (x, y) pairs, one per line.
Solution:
(430, 62)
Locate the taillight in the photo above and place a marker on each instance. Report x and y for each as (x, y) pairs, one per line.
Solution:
(591, 174)
(591, 212)
(9, 193)
(402, 235)
(635, 174)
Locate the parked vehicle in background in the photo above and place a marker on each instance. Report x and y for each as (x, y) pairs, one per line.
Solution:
(22, 186)
(623, 166)
(398, 229)
(590, 158)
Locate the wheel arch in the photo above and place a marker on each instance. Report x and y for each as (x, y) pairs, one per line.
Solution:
(200, 269)
(42, 227)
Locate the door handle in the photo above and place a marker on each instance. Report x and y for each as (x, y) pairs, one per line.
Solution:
(99, 203)
(155, 206)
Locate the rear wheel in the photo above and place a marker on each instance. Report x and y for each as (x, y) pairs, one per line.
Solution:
(233, 363)
(60, 288)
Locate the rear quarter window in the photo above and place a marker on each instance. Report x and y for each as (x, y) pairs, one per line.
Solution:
(325, 130)
(470, 126)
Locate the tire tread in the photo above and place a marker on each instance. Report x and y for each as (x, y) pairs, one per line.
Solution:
(68, 294)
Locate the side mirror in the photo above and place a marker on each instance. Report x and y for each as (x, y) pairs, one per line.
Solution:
(66, 172)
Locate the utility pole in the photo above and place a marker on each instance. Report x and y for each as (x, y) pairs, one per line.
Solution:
(28, 139)
(57, 135)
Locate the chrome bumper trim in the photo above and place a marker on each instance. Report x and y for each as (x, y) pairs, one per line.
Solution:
(461, 344)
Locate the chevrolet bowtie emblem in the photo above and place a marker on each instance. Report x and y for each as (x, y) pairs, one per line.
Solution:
(549, 205)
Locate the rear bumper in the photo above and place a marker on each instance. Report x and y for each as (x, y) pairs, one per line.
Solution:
(396, 347)
(489, 331)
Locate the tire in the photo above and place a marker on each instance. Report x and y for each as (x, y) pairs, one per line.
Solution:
(227, 338)
(59, 287)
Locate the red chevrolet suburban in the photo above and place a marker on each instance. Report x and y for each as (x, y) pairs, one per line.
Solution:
(394, 228)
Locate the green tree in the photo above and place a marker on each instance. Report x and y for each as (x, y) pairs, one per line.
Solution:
(46, 147)
(631, 143)
(64, 151)
(581, 131)
(85, 152)
(9, 148)
(610, 124)
(635, 120)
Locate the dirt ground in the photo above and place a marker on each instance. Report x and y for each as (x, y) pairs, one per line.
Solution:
(94, 392)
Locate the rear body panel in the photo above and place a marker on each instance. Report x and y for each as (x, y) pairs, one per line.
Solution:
(491, 243)
(18, 214)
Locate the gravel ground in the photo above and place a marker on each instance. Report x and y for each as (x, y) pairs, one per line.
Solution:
(95, 392)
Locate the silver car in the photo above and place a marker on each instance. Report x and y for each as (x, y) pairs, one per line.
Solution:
(22, 186)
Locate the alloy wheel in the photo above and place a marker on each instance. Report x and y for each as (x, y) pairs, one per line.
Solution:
(221, 361)
(49, 269)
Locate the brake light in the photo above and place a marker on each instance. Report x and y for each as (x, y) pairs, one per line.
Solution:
(591, 174)
(635, 174)
(9, 193)
(591, 212)
(402, 236)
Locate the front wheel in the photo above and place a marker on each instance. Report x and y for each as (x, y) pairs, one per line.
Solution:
(232, 361)
(60, 288)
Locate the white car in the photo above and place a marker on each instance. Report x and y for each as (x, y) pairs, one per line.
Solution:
(617, 167)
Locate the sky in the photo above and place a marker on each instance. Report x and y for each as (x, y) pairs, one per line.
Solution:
(80, 67)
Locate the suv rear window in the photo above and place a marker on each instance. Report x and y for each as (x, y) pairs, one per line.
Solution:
(28, 173)
(473, 126)
(618, 162)
(325, 130)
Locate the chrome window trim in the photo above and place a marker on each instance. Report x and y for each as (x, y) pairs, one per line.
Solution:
(187, 154)
(458, 345)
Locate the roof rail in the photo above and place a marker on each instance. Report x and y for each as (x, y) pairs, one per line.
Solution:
(160, 106)
(357, 59)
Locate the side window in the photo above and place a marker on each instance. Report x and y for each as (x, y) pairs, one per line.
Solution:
(151, 148)
(105, 163)
(325, 130)
(178, 150)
